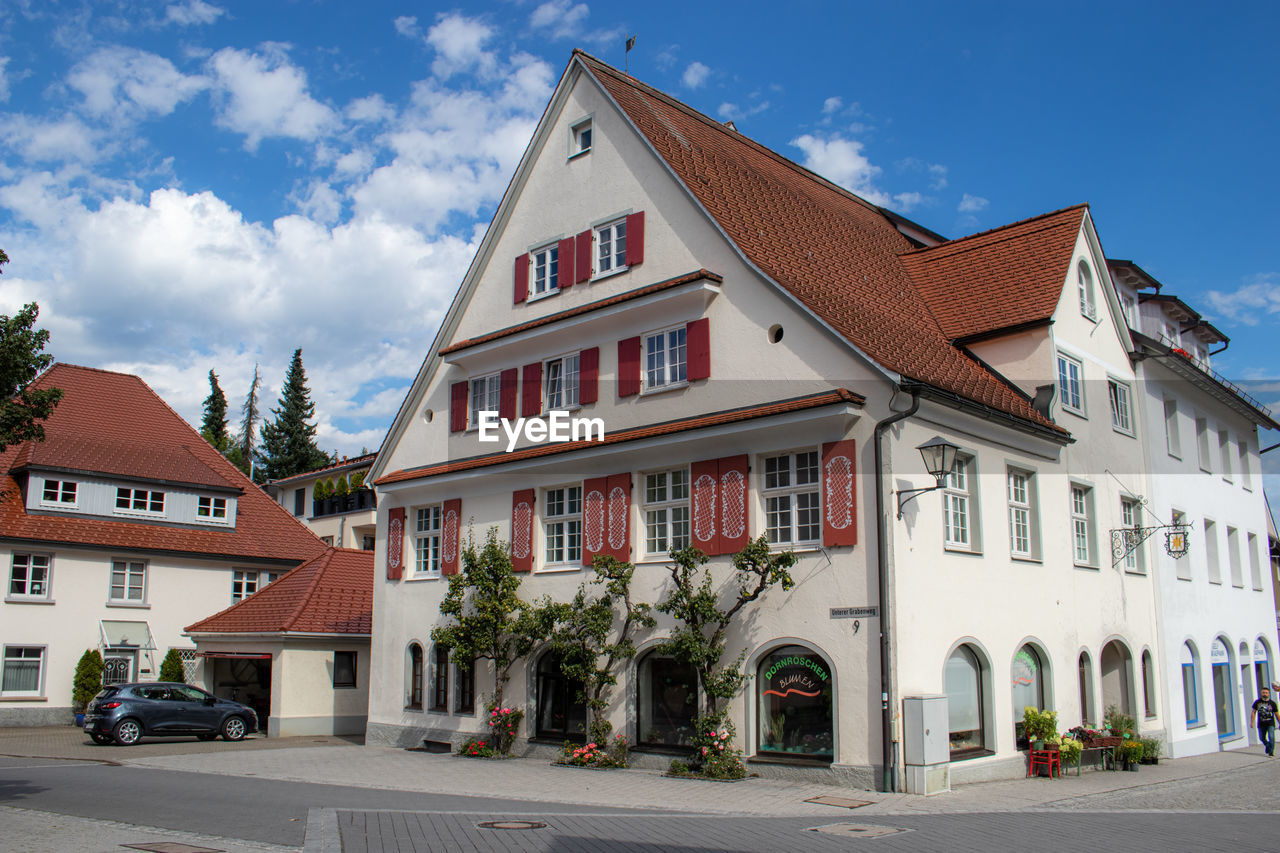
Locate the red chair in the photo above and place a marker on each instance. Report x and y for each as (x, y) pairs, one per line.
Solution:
(1045, 759)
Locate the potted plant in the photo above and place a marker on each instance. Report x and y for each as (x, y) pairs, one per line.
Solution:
(1130, 754)
(1120, 724)
(86, 682)
(1069, 751)
(1151, 747)
(1039, 726)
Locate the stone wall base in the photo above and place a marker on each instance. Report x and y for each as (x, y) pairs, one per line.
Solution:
(36, 715)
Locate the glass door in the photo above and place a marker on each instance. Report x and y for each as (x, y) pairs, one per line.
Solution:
(1222, 700)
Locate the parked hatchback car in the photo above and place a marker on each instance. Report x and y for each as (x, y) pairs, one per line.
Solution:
(124, 713)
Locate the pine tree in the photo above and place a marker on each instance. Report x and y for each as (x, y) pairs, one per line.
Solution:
(214, 427)
(242, 452)
(22, 357)
(289, 440)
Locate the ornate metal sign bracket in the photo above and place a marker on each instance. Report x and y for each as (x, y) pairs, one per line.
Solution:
(1125, 540)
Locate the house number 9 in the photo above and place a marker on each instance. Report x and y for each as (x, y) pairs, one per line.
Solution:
(857, 623)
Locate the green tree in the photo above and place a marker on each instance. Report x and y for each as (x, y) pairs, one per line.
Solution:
(242, 452)
(488, 619)
(289, 440)
(214, 426)
(22, 358)
(171, 667)
(87, 680)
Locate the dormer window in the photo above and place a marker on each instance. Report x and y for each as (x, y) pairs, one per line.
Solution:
(1084, 282)
(580, 138)
(140, 500)
(59, 492)
(211, 508)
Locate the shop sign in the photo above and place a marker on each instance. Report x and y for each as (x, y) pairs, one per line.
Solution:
(854, 612)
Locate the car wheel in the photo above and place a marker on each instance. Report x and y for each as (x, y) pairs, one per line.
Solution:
(233, 729)
(102, 740)
(127, 732)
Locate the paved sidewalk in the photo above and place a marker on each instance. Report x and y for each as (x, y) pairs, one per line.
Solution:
(45, 832)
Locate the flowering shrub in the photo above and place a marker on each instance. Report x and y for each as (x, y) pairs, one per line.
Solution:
(476, 748)
(600, 750)
(503, 723)
(714, 755)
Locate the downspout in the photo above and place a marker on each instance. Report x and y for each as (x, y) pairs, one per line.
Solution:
(889, 756)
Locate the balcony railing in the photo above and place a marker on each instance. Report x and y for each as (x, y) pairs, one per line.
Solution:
(361, 499)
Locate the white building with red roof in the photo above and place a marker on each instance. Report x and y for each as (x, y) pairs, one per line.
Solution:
(344, 521)
(119, 529)
(765, 353)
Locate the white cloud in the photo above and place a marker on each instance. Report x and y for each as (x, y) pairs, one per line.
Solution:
(938, 173)
(459, 43)
(262, 95)
(841, 161)
(563, 17)
(369, 109)
(4, 80)
(1252, 302)
(39, 140)
(122, 82)
(906, 202)
(695, 75)
(732, 112)
(193, 12)
(407, 25)
(972, 204)
(318, 201)
(832, 105)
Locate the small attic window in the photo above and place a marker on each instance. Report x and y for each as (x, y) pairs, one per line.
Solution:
(580, 138)
(1084, 281)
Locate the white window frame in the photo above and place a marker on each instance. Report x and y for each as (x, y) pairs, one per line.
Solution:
(1084, 285)
(1224, 451)
(1130, 306)
(1212, 556)
(1083, 528)
(130, 569)
(605, 235)
(1172, 437)
(1074, 401)
(1246, 471)
(581, 137)
(11, 653)
(562, 527)
(540, 283)
(131, 497)
(30, 560)
(210, 508)
(1135, 561)
(569, 379)
(492, 389)
(1120, 397)
(1255, 564)
(1233, 557)
(1203, 450)
(670, 347)
(960, 506)
(66, 493)
(789, 489)
(245, 582)
(428, 541)
(1021, 491)
(666, 510)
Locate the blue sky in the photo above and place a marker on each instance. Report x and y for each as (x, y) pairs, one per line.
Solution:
(192, 185)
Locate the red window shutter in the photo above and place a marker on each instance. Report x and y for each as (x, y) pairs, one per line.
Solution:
(595, 518)
(629, 367)
(704, 510)
(450, 535)
(635, 239)
(522, 530)
(732, 505)
(508, 390)
(589, 375)
(839, 496)
(531, 390)
(458, 407)
(697, 338)
(522, 278)
(565, 258)
(582, 257)
(395, 544)
(619, 543)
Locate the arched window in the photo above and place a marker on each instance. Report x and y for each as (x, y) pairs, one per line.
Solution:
(1148, 684)
(1085, 667)
(1027, 688)
(440, 680)
(1261, 664)
(965, 701)
(415, 677)
(1190, 684)
(1224, 704)
(1084, 281)
(562, 713)
(795, 718)
(667, 701)
(1117, 677)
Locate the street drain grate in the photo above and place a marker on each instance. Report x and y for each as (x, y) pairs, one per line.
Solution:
(511, 824)
(840, 802)
(858, 830)
(172, 847)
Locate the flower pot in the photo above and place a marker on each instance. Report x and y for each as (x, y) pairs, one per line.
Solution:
(79, 719)
(1037, 745)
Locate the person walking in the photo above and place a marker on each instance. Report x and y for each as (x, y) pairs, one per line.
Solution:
(1264, 716)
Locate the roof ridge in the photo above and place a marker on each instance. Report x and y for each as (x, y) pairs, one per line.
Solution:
(1009, 225)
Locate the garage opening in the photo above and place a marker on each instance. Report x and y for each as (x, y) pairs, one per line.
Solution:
(242, 677)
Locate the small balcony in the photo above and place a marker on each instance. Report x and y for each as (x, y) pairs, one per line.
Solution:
(361, 499)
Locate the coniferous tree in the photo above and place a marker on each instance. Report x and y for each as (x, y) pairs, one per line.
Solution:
(214, 427)
(289, 440)
(242, 452)
(22, 357)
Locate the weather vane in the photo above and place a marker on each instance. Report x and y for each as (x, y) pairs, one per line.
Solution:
(626, 57)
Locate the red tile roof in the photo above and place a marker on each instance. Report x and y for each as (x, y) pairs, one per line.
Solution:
(124, 430)
(331, 594)
(354, 462)
(813, 401)
(837, 253)
(999, 279)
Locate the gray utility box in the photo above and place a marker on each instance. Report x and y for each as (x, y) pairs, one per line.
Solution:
(926, 744)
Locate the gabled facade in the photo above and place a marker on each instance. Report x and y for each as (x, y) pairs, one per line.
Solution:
(342, 521)
(117, 530)
(764, 352)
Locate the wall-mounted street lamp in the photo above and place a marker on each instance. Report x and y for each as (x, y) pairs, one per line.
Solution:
(939, 458)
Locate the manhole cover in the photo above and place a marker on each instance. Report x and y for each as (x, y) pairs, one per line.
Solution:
(511, 824)
(857, 830)
(171, 847)
(841, 802)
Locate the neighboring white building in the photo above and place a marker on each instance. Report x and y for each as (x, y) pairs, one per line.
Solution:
(765, 352)
(344, 521)
(116, 531)
(1217, 611)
